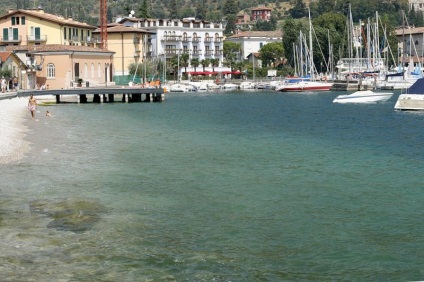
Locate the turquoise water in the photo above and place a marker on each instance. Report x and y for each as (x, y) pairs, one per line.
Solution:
(217, 187)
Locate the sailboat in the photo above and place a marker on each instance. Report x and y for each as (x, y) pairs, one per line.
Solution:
(413, 99)
(309, 82)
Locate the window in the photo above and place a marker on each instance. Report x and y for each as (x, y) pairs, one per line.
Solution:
(64, 33)
(22, 20)
(51, 72)
(99, 71)
(85, 70)
(92, 70)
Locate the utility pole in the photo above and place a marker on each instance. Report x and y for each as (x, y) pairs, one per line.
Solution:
(103, 24)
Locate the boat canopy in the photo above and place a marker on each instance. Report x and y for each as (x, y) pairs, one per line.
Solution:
(417, 87)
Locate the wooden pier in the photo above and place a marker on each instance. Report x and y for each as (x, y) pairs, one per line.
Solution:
(101, 95)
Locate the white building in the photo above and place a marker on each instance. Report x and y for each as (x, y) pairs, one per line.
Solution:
(200, 39)
(252, 41)
(417, 4)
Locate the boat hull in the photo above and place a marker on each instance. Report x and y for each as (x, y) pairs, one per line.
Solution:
(363, 97)
(413, 102)
(305, 86)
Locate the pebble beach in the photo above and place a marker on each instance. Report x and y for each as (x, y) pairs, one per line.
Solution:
(13, 115)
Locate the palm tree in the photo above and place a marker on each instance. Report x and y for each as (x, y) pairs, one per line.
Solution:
(215, 63)
(184, 59)
(205, 63)
(195, 63)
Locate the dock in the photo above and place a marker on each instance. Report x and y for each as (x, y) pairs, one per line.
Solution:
(101, 95)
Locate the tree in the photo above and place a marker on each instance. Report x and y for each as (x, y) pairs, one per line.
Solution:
(184, 60)
(231, 50)
(201, 11)
(205, 63)
(195, 63)
(266, 25)
(230, 12)
(173, 9)
(215, 63)
(271, 53)
(144, 11)
(290, 37)
(298, 10)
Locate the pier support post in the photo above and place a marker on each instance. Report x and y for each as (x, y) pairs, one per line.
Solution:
(96, 98)
(111, 98)
(83, 98)
(123, 98)
(57, 99)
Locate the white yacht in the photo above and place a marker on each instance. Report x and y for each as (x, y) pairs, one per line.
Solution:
(363, 96)
(413, 99)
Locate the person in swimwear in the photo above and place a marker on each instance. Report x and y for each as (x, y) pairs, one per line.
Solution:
(32, 105)
(48, 114)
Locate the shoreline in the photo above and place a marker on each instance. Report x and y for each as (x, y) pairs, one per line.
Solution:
(13, 114)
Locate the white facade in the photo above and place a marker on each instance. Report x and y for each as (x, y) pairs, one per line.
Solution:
(199, 39)
(417, 4)
(253, 41)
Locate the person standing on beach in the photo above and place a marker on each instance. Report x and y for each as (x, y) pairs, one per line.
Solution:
(32, 105)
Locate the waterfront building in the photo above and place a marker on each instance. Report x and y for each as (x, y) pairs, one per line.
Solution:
(128, 43)
(252, 41)
(172, 37)
(418, 5)
(35, 27)
(411, 44)
(59, 66)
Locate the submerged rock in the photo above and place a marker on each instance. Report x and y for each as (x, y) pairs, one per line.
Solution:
(74, 216)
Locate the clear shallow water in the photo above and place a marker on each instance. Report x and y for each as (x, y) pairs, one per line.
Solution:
(221, 186)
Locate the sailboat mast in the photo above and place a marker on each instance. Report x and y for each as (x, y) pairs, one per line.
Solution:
(311, 54)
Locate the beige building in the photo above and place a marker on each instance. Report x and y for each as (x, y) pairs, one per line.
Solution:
(128, 43)
(13, 66)
(411, 44)
(35, 27)
(418, 5)
(62, 66)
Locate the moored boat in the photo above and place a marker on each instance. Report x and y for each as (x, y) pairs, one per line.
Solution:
(413, 99)
(363, 96)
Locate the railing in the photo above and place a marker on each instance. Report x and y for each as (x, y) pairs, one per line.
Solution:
(186, 39)
(74, 38)
(36, 38)
(196, 39)
(209, 53)
(171, 38)
(219, 52)
(197, 52)
(12, 39)
(209, 39)
(218, 39)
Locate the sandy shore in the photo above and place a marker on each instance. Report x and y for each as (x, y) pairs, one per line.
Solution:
(13, 114)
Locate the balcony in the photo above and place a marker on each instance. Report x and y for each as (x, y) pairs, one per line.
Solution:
(209, 52)
(186, 39)
(11, 39)
(218, 39)
(172, 38)
(186, 52)
(197, 52)
(219, 52)
(196, 39)
(172, 52)
(36, 38)
(74, 38)
(209, 39)
(91, 39)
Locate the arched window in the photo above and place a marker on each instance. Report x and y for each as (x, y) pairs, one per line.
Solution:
(85, 70)
(99, 71)
(416, 42)
(92, 70)
(51, 71)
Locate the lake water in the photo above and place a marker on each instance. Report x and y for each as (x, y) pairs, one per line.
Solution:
(228, 186)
